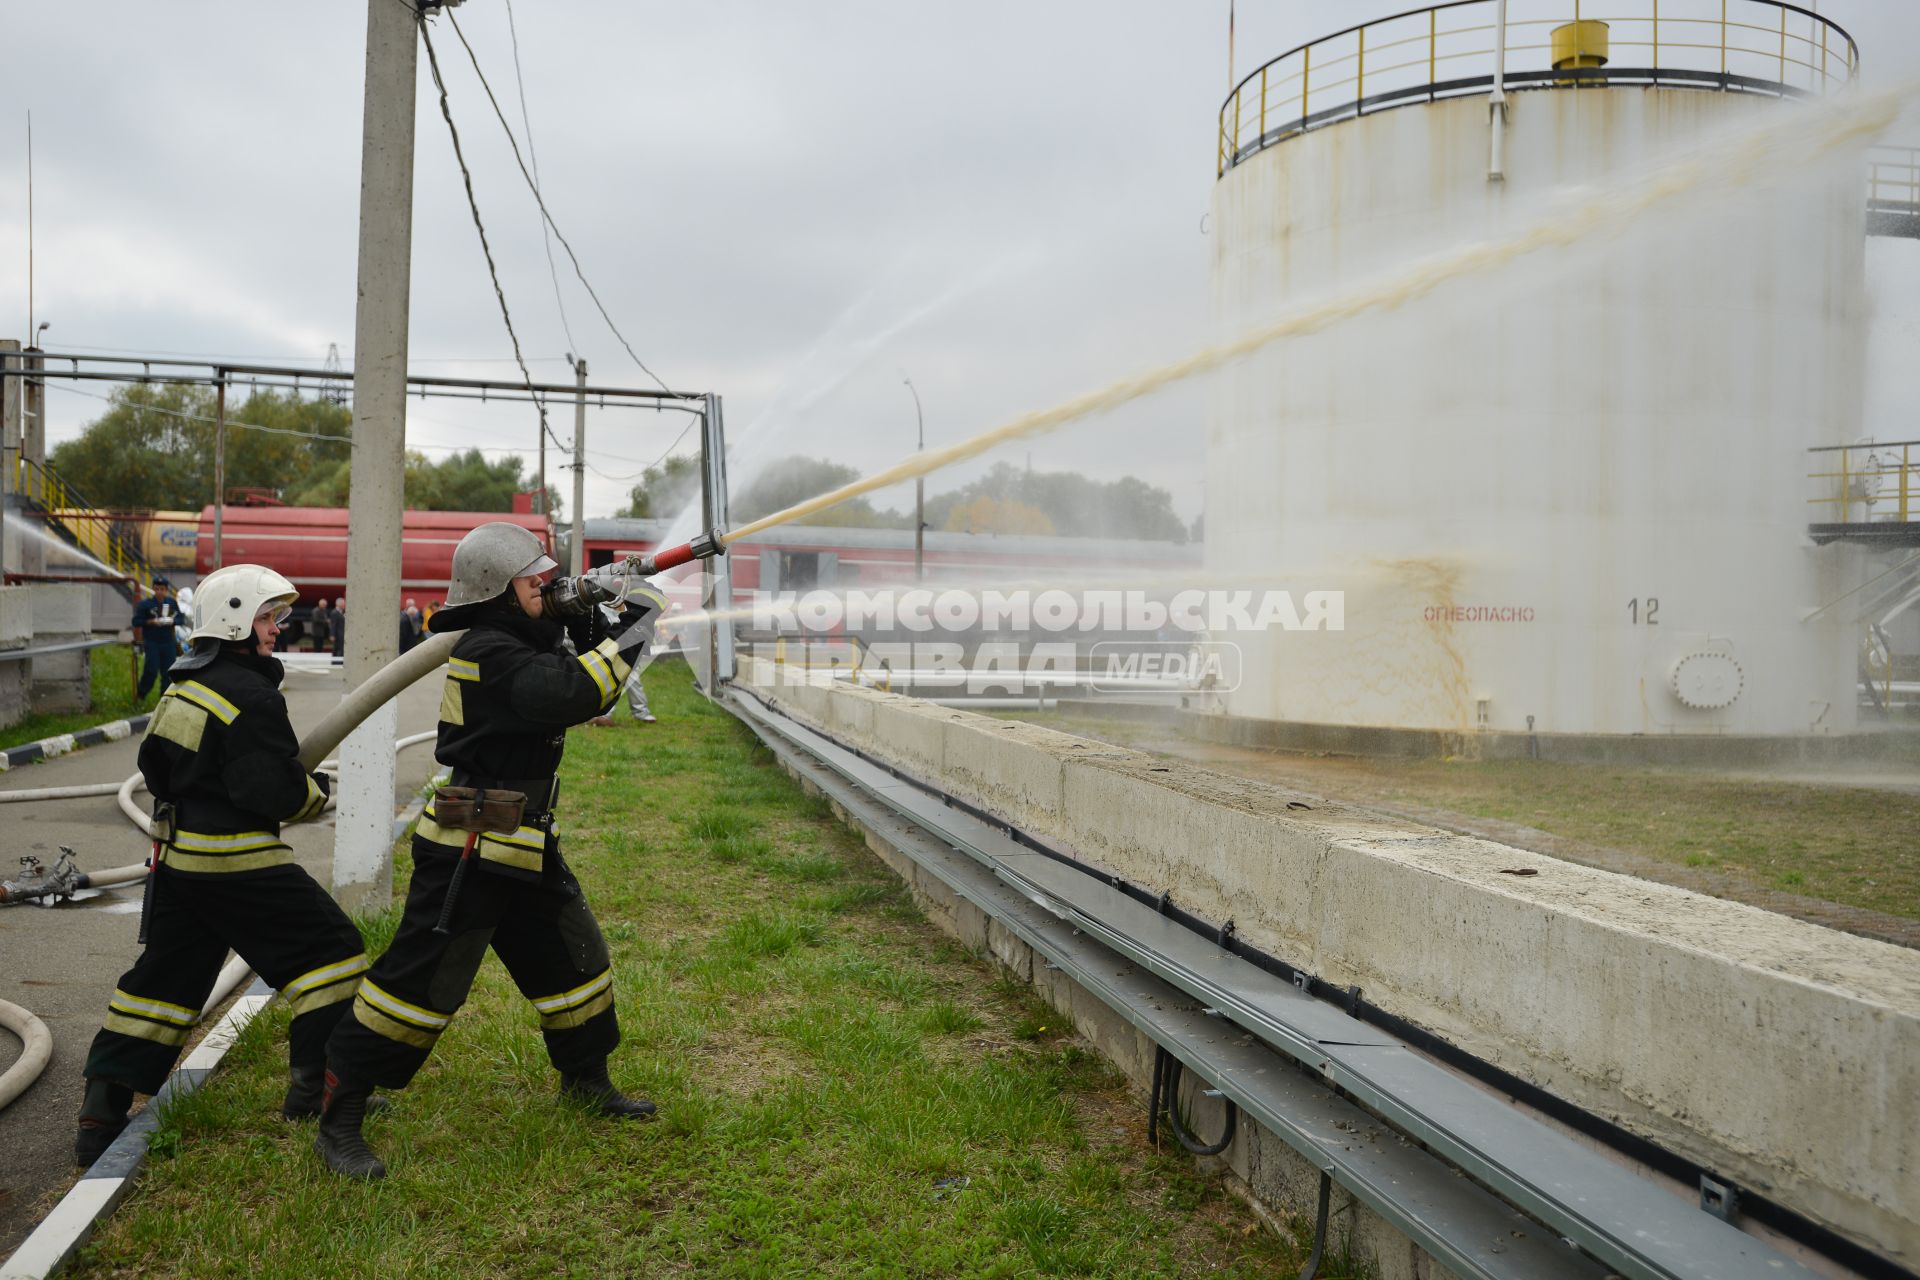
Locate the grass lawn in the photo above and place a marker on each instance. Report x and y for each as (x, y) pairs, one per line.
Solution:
(112, 700)
(1844, 844)
(844, 1091)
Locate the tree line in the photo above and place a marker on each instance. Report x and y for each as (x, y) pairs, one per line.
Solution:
(1006, 500)
(152, 450)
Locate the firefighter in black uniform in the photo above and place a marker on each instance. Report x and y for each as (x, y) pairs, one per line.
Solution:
(513, 686)
(220, 760)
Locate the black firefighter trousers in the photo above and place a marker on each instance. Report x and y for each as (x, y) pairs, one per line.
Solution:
(542, 931)
(283, 924)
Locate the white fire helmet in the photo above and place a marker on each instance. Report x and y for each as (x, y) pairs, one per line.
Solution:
(227, 601)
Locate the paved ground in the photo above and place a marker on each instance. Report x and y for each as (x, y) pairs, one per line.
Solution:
(62, 962)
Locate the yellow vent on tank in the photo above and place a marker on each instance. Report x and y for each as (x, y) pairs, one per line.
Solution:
(1579, 44)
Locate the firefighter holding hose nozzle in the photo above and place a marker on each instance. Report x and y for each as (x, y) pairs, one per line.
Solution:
(487, 865)
(221, 760)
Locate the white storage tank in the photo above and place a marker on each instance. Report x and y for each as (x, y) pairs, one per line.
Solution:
(1569, 495)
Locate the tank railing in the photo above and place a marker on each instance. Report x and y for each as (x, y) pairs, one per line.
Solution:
(1893, 177)
(1870, 483)
(93, 530)
(1447, 50)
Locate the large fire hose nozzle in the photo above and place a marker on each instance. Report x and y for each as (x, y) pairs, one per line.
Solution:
(704, 547)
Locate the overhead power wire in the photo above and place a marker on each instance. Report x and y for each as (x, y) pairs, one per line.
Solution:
(305, 355)
(534, 186)
(526, 126)
(473, 204)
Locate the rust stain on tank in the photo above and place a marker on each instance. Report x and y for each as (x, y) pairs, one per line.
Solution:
(1435, 658)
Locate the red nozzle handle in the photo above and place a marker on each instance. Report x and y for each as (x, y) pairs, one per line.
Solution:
(704, 547)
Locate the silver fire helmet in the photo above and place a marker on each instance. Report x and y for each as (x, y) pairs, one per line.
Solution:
(489, 558)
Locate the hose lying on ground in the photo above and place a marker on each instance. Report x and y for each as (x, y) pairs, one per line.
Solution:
(34, 1056)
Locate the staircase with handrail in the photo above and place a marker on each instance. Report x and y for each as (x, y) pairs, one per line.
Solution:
(68, 515)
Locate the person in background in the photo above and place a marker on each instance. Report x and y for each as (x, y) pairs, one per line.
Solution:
(433, 607)
(322, 627)
(222, 762)
(409, 625)
(153, 634)
(338, 618)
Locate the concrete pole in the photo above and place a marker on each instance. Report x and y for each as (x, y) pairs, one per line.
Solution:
(219, 468)
(713, 509)
(577, 553)
(10, 397)
(362, 871)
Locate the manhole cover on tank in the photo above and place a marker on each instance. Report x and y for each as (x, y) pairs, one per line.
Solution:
(1707, 681)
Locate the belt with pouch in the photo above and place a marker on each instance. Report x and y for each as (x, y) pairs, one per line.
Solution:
(541, 793)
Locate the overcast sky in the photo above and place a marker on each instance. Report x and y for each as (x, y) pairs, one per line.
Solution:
(792, 205)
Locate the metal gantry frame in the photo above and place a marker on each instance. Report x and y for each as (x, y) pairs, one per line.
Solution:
(333, 383)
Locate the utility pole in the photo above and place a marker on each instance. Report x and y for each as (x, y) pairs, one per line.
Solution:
(540, 503)
(219, 465)
(577, 552)
(12, 397)
(919, 492)
(362, 871)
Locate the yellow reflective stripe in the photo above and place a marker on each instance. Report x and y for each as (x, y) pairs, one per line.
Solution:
(380, 1024)
(585, 991)
(141, 1029)
(149, 1008)
(326, 974)
(490, 850)
(523, 837)
(578, 1016)
(203, 862)
(611, 652)
(195, 692)
(238, 842)
(316, 801)
(430, 829)
(394, 1007)
(333, 993)
(602, 674)
(463, 669)
(525, 849)
(178, 720)
(452, 708)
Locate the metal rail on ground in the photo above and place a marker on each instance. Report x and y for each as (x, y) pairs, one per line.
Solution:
(1293, 1054)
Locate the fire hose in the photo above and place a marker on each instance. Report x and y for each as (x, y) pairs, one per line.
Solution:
(570, 596)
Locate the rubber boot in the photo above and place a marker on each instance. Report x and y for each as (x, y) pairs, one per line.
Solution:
(103, 1117)
(593, 1090)
(339, 1141)
(306, 1090)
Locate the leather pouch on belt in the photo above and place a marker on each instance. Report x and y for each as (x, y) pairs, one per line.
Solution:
(479, 809)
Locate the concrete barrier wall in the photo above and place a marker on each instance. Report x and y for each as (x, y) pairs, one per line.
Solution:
(16, 632)
(1782, 1054)
(62, 615)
